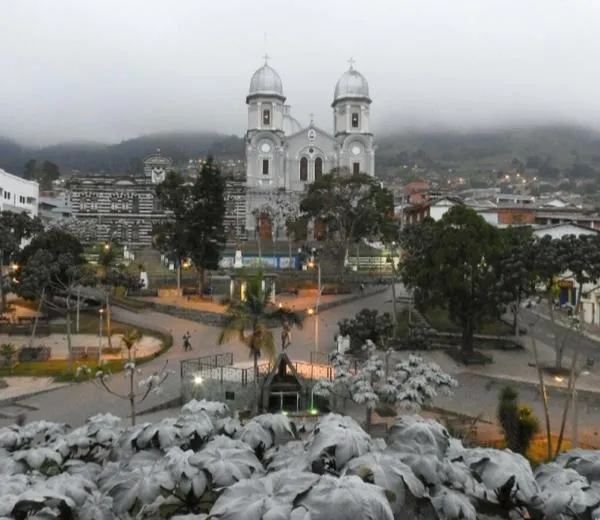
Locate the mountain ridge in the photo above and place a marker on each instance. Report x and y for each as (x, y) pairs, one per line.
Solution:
(558, 146)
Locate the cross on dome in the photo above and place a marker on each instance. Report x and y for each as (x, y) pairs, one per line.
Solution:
(312, 118)
(351, 63)
(266, 57)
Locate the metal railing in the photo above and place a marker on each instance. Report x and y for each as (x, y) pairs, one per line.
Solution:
(195, 365)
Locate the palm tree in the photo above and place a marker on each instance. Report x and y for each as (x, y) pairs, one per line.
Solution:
(249, 321)
(129, 340)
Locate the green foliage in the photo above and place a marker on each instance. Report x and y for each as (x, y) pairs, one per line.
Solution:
(206, 215)
(248, 321)
(43, 173)
(518, 423)
(46, 275)
(7, 353)
(55, 242)
(367, 324)
(455, 263)
(195, 229)
(351, 207)
(15, 227)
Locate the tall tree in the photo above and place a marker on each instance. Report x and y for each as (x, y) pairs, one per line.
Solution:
(55, 279)
(457, 267)
(518, 273)
(205, 219)
(351, 207)
(30, 170)
(14, 228)
(551, 263)
(173, 235)
(49, 172)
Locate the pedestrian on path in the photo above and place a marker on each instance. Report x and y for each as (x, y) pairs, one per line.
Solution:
(187, 344)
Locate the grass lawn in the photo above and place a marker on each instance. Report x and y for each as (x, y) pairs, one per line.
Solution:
(131, 303)
(438, 318)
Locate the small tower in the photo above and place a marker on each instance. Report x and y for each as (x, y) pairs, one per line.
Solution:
(265, 100)
(264, 157)
(351, 122)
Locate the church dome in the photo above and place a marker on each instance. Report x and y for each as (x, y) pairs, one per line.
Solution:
(352, 84)
(266, 81)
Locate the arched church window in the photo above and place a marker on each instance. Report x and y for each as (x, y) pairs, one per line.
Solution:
(304, 169)
(265, 166)
(267, 117)
(355, 168)
(355, 119)
(318, 168)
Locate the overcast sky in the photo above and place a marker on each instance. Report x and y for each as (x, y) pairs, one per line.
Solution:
(113, 69)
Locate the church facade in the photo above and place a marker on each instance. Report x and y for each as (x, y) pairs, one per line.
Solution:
(283, 157)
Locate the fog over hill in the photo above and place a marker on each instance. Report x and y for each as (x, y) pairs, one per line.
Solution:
(559, 145)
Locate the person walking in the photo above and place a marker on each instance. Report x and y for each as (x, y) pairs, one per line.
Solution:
(187, 344)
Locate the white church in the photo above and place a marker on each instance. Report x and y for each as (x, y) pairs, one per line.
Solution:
(282, 157)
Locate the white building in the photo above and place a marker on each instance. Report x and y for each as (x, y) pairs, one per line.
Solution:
(283, 156)
(18, 195)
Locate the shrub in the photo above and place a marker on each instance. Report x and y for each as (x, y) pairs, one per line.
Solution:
(7, 353)
(34, 354)
(367, 325)
(518, 423)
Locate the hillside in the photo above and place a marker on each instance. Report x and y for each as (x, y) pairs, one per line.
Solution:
(125, 156)
(556, 150)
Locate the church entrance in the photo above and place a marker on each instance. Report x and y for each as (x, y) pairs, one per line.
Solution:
(265, 227)
(319, 230)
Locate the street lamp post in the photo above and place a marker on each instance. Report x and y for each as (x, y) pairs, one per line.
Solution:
(318, 266)
(100, 322)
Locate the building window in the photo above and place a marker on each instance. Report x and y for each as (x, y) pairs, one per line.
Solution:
(318, 168)
(7, 195)
(304, 169)
(265, 167)
(355, 168)
(267, 117)
(135, 204)
(355, 119)
(21, 199)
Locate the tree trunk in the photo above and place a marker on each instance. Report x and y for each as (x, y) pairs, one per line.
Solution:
(544, 398)
(369, 418)
(108, 328)
(256, 393)
(37, 317)
(69, 341)
(2, 295)
(467, 338)
(557, 347)
(132, 399)
(202, 273)
(394, 303)
(516, 319)
(568, 399)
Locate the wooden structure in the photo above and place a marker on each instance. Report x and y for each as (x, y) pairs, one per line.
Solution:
(283, 390)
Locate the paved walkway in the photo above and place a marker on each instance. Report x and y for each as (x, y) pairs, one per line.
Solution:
(75, 403)
(477, 393)
(306, 299)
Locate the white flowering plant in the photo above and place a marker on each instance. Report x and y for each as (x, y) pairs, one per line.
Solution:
(412, 383)
(152, 384)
